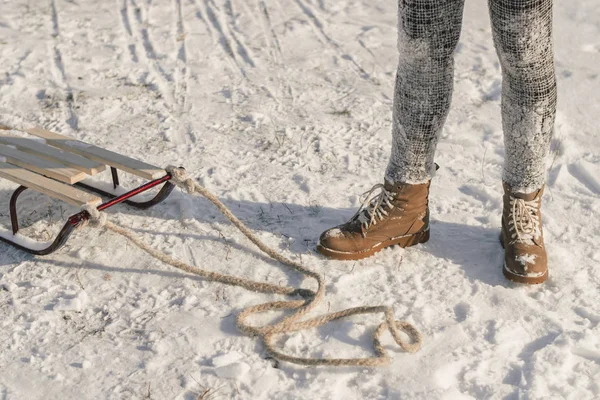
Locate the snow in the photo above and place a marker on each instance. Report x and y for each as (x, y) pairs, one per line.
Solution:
(337, 233)
(232, 371)
(525, 259)
(72, 302)
(24, 240)
(283, 109)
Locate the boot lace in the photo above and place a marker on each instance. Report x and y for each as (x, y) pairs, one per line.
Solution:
(524, 221)
(373, 206)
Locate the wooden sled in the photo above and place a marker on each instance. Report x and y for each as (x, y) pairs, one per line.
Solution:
(57, 166)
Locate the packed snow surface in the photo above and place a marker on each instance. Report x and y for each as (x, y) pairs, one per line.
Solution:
(283, 109)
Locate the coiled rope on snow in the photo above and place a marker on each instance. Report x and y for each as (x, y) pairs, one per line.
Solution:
(301, 308)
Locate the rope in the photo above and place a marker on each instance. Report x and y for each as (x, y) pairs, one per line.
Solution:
(310, 299)
(97, 219)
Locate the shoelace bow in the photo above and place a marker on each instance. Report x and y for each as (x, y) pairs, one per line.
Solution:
(524, 219)
(372, 207)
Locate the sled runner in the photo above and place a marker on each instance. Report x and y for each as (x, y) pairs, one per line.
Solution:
(57, 166)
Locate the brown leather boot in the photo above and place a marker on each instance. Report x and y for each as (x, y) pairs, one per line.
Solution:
(525, 259)
(399, 214)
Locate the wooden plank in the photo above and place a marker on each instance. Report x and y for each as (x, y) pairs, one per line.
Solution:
(95, 153)
(47, 186)
(39, 149)
(43, 167)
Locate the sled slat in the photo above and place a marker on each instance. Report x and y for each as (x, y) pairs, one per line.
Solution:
(53, 154)
(47, 186)
(98, 154)
(41, 166)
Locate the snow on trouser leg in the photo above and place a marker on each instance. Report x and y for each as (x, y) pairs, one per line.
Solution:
(522, 32)
(428, 32)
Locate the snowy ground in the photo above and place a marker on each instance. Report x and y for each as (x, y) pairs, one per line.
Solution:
(282, 108)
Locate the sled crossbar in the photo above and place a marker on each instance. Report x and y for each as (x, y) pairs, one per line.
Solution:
(98, 154)
(56, 166)
(52, 169)
(41, 150)
(52, 188)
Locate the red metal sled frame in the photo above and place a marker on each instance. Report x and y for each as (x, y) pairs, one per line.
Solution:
(76, 220)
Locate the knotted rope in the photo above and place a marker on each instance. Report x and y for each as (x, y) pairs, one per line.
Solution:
(293, 322)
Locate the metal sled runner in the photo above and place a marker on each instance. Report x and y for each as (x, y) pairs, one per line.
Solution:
(57, 166)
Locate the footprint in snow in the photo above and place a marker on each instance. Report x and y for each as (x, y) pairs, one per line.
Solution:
(462, 312)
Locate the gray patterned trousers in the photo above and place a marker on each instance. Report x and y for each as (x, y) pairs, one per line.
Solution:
(428, 32)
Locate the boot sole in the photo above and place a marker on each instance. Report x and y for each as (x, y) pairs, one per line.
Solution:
(402, 241)
(528, 280)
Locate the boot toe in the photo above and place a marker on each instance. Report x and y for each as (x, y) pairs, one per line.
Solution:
(336, 239)
(525, 261)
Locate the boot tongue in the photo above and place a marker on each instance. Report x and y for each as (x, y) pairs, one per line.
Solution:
(391, 187)
(399, 189)
(525, 196)
(404, 187)
(528, 196)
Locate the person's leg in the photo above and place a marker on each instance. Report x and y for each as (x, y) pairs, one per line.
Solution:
(523, 37)
(428, 32)
(522, 32)
(399, 213)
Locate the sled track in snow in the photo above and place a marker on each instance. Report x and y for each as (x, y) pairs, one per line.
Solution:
(58, 70)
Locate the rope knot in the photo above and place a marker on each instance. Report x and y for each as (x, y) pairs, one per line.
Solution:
(97, 219)
(180, 178)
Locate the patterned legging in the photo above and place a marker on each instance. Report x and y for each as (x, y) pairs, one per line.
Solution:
(428, 32)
